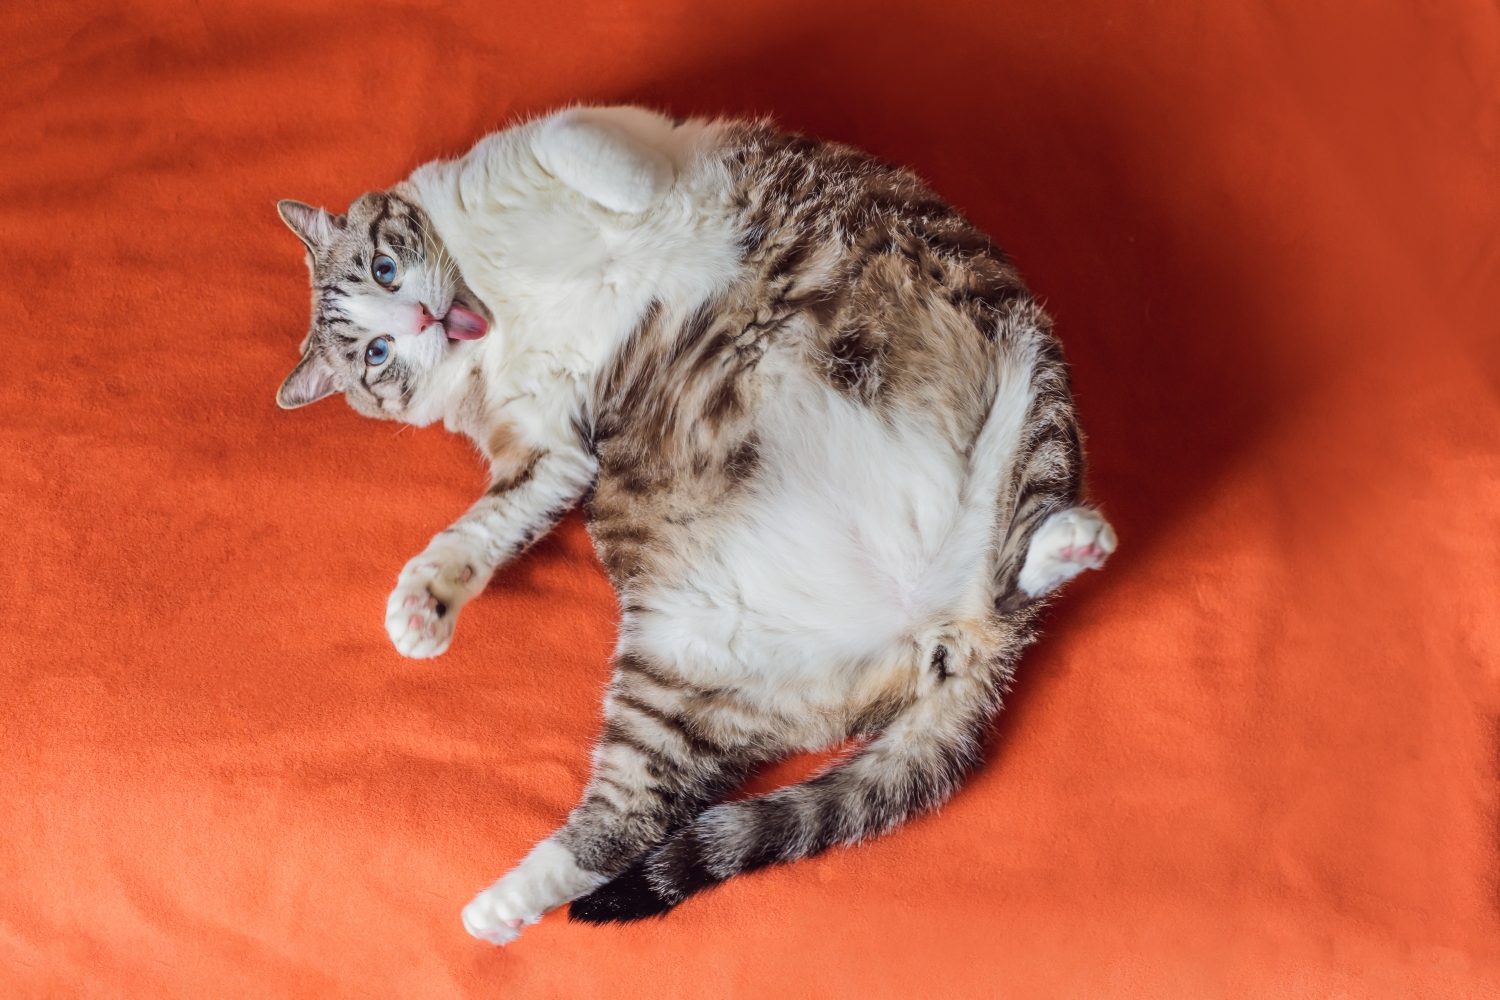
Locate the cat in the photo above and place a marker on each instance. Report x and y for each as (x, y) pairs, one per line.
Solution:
(823, 436)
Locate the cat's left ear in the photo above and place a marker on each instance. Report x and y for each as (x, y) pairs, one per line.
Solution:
(310, 381)
(313, 226)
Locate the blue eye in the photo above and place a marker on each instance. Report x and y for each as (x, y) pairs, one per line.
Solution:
(378, 351)
(384, 269)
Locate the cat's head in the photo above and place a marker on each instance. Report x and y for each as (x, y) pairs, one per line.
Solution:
(389, 308)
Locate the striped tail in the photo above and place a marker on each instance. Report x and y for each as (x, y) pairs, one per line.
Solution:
(913, 766)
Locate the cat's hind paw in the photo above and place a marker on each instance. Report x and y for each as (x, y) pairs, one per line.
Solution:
(486, 918)
(1066, 544)
(546, 878)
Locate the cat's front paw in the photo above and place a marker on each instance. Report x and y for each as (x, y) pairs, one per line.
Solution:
(423, 609)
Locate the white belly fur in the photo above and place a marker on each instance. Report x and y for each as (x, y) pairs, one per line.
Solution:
(865, 536)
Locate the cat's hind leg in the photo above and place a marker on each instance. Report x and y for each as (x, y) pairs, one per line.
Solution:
(654, 769)
(912, 766)
(545, 879)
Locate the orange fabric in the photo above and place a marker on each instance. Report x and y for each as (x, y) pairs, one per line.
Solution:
(1255, 757)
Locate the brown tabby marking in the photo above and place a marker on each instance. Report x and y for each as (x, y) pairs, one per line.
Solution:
(512, 462)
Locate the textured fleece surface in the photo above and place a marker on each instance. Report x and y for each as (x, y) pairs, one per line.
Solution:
(1255, 757)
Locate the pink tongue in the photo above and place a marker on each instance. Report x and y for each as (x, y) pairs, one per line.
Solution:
(461, 324)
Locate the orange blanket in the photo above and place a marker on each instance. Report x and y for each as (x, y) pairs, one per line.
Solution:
(1254, 757)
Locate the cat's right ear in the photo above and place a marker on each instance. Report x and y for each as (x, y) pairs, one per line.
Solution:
(313, 226)
(310, 381)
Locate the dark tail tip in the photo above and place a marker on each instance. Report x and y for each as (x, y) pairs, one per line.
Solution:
(626, 897)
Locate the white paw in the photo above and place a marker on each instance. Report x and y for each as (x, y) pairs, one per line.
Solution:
(545, 879)
(498, 913)
(601, 161)
(1066, 544)
(422, 610)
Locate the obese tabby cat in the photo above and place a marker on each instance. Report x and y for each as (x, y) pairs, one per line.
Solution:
(823, 435)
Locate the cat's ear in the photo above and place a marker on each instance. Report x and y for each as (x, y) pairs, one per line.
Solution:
(310, 381)
(313, 226)
(603, 162)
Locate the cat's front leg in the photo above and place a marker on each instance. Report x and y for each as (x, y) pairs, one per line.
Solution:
(519, 508)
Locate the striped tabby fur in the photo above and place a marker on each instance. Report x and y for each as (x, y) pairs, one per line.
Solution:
(823, 435)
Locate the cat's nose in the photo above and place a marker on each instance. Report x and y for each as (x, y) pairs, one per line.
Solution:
(427, 317)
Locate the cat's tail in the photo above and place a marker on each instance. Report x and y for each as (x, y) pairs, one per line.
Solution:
(912, 766)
